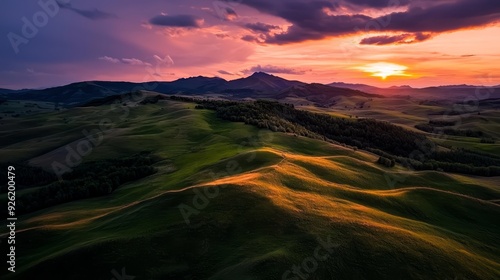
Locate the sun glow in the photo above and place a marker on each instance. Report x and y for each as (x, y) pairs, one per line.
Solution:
(384, 69)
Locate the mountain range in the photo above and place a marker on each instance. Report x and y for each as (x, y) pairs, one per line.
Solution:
(453, 92)
(259, 85)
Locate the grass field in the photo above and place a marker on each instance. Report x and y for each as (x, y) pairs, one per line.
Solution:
(230, 201)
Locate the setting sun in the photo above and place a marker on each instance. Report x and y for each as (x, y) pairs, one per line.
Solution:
(384, 69)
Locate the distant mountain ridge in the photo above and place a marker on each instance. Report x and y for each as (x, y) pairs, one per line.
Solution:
(256, 86)
(259, 83)
(362, 87)
(452, 92)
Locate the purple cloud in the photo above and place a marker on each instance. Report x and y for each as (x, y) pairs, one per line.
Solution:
(129, 61)
(229, 14)
(224, 72)
(406, 38)
(261, 27)
(314, 20)
(273, 70)
(250, 38)
(177, 21)
(135, 61)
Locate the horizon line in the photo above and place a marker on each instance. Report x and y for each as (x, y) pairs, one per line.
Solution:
(257, 72)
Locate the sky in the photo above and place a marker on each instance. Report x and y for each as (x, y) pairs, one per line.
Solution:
(383, 43)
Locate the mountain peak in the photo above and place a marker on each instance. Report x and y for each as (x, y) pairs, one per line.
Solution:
(200, 78)
(261, 74)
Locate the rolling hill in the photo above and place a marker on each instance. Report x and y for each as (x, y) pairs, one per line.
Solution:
(231, 201)
(321, 95)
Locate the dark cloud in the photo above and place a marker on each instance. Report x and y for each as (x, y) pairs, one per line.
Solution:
(224, 10)
(222, 35)
(224, 72)
(309, 19)
(313, 20)
(250, 38)
(406, 38)
(273, 70)
(377, 3)
(261, 27)
(448, 16)
(230, 14)
(94, 14)
(177, 21)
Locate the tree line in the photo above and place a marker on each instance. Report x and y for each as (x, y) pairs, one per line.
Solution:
(92, 179)
(443, 127)
(382, 138)
(28, 176)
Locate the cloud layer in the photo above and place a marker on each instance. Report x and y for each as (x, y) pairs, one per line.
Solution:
(406, 38)
(318, 19)
(110, 40)
(273, 70)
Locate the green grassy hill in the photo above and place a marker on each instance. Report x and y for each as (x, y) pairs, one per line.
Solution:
(230, 201)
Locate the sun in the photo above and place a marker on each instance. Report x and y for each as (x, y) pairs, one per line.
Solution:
(384, 69)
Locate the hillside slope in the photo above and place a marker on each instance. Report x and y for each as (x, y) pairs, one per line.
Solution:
(230, 201)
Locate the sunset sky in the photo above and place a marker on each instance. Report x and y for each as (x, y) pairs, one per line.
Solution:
(377, 42)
